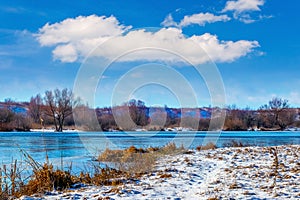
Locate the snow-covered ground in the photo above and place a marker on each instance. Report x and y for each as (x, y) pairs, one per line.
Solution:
(224, 173)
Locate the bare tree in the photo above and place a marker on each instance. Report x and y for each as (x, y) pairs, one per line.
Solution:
(278, 113)
(239, 119)
(35, 108)
(138, 112)
(59, 106)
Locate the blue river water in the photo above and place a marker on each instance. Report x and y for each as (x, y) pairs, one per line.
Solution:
(77, 148)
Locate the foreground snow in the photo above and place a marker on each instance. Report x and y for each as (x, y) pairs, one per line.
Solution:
(238, 173)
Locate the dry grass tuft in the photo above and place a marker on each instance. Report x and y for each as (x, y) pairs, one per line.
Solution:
(129, 161)
(213, 198)
(208, 146)
(234, 186)
(108, 176)
(165, 176)
(48, 179)
(132, 160)
(44, 178)
(10, 181)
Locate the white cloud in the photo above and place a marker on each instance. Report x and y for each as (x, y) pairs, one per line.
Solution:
(202, 18)
(199, 19)
(73, 30)
(240, 6)
(65, 53)
(73, 39)
(224, 51)
(172, 39)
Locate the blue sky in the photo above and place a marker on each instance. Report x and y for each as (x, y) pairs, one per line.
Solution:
(253, 43)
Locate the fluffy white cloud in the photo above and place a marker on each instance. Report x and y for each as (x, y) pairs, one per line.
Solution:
(199, 19)
(167, 43)
(73, 30)
(240, 6)
(224, 51)
(77, 36)
(65, 53)
(73, 39)
(202, 18)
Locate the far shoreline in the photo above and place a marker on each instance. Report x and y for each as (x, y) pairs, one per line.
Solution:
(146, 131)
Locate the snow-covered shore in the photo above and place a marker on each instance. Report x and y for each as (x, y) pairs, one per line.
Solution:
(47, 130)
(224, 173)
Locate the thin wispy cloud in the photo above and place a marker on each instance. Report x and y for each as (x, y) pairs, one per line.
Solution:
(242, 9)
(24, 44)
(13, 10)
(200, 19)
(169, 22)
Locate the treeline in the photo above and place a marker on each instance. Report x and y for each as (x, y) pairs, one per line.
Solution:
(10, 119)
(54, 109)
(275, 115)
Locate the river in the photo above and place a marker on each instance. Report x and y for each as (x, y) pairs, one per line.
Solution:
(78, 148)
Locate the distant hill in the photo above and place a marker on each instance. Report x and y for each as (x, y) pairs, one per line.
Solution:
(18, 108)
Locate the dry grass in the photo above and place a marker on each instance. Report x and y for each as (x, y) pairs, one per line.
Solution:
(10, 180)
(208, 146)
(128, 161)
(43, 178)
(133, 161)
(48, 179)
(234, 186)
(165, 176)
(126, 164)
(213, 198)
